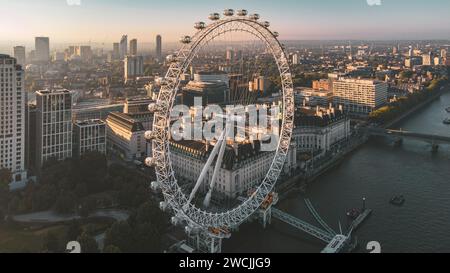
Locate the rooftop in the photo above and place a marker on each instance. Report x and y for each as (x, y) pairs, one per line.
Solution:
(53, 92)
(125, 121)
(89, 122)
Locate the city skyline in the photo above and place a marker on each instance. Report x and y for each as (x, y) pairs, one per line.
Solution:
(326, 20)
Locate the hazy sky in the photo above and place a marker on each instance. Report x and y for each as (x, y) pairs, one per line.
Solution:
(104, 21)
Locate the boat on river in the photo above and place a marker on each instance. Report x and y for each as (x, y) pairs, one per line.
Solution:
(447, 121)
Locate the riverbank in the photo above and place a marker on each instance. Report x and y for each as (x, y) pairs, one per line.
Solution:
(412, 111)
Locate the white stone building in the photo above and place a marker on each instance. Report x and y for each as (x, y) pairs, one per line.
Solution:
(360, 96)
(12, 118)
(244, 166)
(89, 136)
(320, 130)
(126, 136)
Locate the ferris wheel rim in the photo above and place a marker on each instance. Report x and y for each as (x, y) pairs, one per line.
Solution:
(173, 195)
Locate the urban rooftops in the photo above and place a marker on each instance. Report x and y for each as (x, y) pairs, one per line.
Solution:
(53, 92)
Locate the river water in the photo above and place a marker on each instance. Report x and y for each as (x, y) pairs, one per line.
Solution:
(377, 171)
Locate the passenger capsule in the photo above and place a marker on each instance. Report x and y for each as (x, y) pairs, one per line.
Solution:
(174, 220)
(186, 39)
(149, 135)
(242, 12)
(228, 12)
(163, 206)
(154, 186)
(276, 34)
(200, 25)
(214, 16)
(150, 161)
(171, 59)
(266, 24)
(255, 17)
(153, 107)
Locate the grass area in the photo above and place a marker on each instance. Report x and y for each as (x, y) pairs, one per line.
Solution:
(28, 239)
(25, 240)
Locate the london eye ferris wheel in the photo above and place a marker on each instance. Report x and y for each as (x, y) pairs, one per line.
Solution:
(197, 215)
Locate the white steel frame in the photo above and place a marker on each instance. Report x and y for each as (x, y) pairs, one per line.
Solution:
(174, 198)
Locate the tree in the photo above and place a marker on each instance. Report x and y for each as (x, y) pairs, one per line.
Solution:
(5, 176)
(120, 235)
(74, 231)
(5, 180)
(65, 203)
(52, 243)
(147, 238)
(88, 243)
(112, 249)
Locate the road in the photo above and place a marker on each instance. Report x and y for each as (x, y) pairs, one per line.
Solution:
(52, 217)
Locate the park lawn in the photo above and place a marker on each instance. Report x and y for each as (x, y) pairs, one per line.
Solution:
(27, 240)
(13, 240)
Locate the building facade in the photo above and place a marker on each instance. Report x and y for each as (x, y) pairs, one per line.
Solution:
(359, 96)
(243, 168)
(125, 136)
(42, 46)
(123, 47)
(53, 125)
(133, 47)
(133, 67)
(89, 136)
(20, 55)
(159, 47)
(320, 131)
(12, 118)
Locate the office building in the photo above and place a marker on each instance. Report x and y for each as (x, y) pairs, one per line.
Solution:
(295, 59)
(20, 55)
(137, 108)
(42, 47)
(259, 85)
(84, 52)
(243, 168)
(427, 59)
(320, 129)
(133, 67)
(159, 47)
(53, 125)
(359, 96)
(89, 136)
(323, 84)
(12, 118)
(125, 137)
(123, 47)
(133, 47)
(116, 51)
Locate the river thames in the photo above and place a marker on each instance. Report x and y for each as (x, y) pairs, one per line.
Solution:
(377, 171)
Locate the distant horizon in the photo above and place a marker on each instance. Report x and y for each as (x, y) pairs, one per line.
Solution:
(104, 21)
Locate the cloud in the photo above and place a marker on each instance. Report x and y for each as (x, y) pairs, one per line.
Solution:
(73, 2)
(374, 2)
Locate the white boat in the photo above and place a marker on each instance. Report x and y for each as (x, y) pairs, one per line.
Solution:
(447, 121)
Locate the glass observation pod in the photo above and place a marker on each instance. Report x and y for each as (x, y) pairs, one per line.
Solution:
(200, 25)
(276, 34)
(242, 12)
(266, 24)
(171, 59)
(186, 39)
(228, 12)
(214, 16)
(255, 17)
